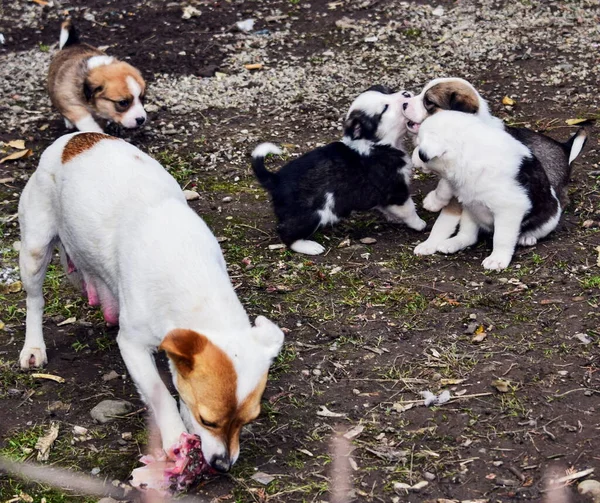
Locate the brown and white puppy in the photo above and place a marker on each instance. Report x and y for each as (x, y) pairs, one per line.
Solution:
(459, 95)
(85, 84)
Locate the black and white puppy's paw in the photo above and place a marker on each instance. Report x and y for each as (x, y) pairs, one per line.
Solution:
(367, 169)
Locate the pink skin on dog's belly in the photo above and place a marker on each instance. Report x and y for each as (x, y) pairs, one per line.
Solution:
(110, 307)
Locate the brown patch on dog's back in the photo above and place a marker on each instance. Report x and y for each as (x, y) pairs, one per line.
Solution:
(80, 143)
(451, 96)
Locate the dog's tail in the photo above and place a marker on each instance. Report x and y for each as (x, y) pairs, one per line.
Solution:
(68, 34)
(264, 176)
(574, 145)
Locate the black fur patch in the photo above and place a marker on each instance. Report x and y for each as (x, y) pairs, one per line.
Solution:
(380, 88)
(357, 183)
(534, 180)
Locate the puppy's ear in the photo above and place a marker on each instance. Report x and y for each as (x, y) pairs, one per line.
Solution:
(353, 128)
(181, 346)
(268, 335)
(91, 89)
(466, 102)
(380, 88)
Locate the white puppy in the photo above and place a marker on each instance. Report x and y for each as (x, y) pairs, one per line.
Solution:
(502, 186)
(158, 271)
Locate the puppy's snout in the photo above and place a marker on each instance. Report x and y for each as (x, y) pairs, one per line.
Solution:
(221, 463)
(140, 120)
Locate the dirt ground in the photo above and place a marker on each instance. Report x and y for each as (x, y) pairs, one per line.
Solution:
(368, 326)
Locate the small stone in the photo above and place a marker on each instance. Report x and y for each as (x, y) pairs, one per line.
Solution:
(16, 246)
(263, 478)
(109, 410)
(126, 435)
(368, 241)
(590, 488)
(583, 338)
(588, 223)
(95, 471)
(438, 11)
(419, 485)
(429, 476)
(191, 195)
(80, 430)
(473, 316)
(227, 199)
(110, 376)
(316, 372)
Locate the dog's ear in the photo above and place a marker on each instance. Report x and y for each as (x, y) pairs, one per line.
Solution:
(463, 102)
(91, 89)
(359, 126)
(181, 346)
(353, 128)
(268, 335)
(380, 88)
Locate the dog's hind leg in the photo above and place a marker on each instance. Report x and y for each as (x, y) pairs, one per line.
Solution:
(294, 232)
(38, 233)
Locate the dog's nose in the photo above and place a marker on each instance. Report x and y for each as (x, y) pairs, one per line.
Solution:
(140, 120)
(404, 106)
(221, 463)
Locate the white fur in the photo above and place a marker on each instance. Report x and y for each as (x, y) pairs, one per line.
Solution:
(362, 146)
(578, 144)
(136, 110)
(264, 149)
(307, 247)
(479, 164)
(406, 213)
(327, 215)
(158, 261)
(88, 124)
(64, 36)
(102, 60)
(443, 228)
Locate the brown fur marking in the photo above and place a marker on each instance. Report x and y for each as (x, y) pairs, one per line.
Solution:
(80, 143)
(451, 96)
(453, 207)
(207, 383)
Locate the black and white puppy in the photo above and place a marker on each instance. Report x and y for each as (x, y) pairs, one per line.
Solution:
(459, 95)
(367, 169)
(500, 183)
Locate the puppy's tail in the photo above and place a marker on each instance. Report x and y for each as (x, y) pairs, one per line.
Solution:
(574, 145)
(68, 34)
(264, 176)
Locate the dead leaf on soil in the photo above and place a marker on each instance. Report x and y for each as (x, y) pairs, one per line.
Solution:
(598, 260)
(6, 180)
(325, 412)
(574, 122)
(17, 155)
(14, 287)
(451, 382)
(508, 101)
(263, 478)
(399, 407)
(68, 321)
(44, 443)
(254, 66)
(18, 144)
(480, 334)
(502, 385)
(50, 377)
(307, 452)
(43, 3)
(354, 432)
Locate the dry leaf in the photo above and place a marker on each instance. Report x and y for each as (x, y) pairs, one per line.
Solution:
(450, 382)
(368, 241)
(44, 443)
(7, 180)
(50, 377)
(254, 66)
(502, 385)
(508, 101)
(18, 144)
(325, 412)
(574, 122)
(43, 3)
(307, 452)
(354, 432)
(480, 334)
(68, 321)
(17, 155)
(263, 478)
(14, 287)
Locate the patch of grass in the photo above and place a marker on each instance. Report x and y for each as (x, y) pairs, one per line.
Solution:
(591, 282)
(44, 47)
(179, 167)
(12, 378)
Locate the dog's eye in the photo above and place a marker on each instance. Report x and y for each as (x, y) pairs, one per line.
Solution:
(208, 424)
(427, 102)
(384, 109)
(123, 103)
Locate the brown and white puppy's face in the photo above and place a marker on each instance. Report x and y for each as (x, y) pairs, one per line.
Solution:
(115, 90)
(221, 393)
(445, 94)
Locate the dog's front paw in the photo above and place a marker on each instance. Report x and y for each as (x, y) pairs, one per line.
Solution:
(33, 357)
(449, 246)
(425, 248)
(417, 223)
(527, 240)
(307, 247)
(433, 203)
(496, 261)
